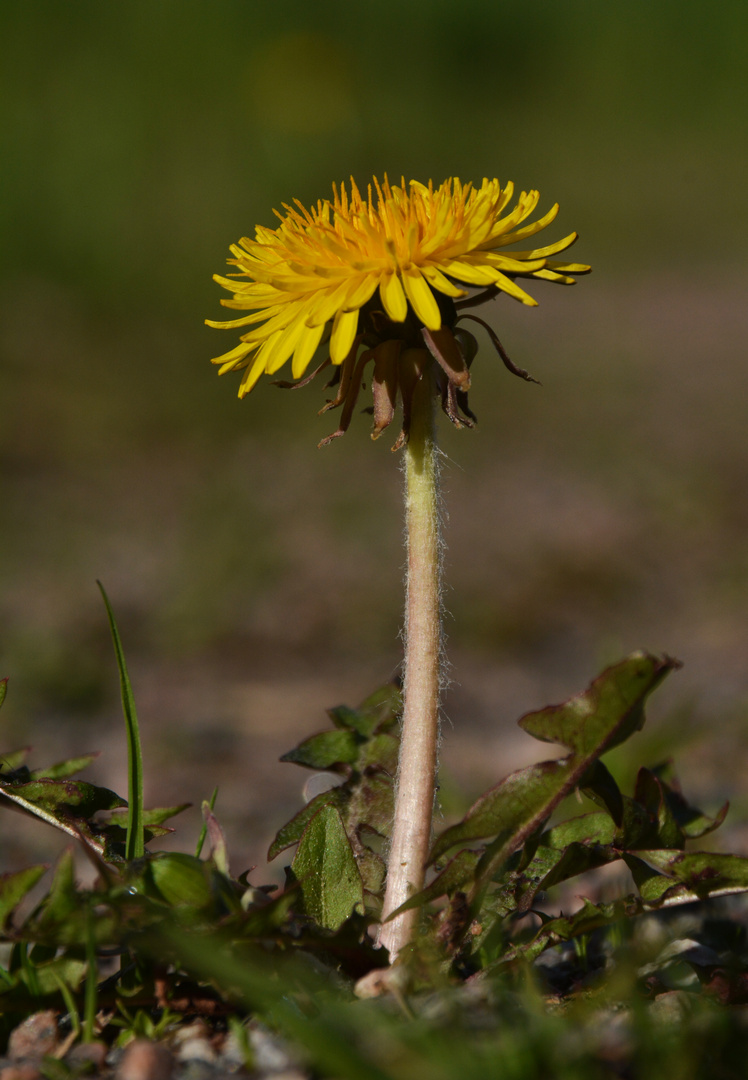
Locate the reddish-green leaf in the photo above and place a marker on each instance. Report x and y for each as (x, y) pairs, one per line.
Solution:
(704, 873)
(54, 795)
(517, 805)
(607, 712)
(371, 803)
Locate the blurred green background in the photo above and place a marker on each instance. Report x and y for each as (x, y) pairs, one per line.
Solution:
(257, 580)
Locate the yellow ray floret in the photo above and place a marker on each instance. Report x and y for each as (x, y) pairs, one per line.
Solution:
(320, 266)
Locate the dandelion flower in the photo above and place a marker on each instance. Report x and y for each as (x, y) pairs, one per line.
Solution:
(383, 280)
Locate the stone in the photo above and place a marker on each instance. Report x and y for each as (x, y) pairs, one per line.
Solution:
(143, 1060)
(34, 1038)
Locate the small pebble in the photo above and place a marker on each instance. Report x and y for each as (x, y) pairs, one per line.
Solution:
(94, 1052)
(191, 1043)
(232, 1051)
(196, 1050)
(671, 1007)
(143, 1060)
(271, 1055)
(20, 1072)
(34, 1038)
(196, 1030)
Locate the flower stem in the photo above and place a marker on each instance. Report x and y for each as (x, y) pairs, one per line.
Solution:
(416, 777)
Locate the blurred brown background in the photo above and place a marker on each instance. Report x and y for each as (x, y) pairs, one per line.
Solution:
(257, 580)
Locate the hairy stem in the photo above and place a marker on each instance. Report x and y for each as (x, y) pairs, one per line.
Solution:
(416, 777)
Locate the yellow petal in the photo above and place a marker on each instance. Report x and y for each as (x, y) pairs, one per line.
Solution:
(512, 288)
(393, 298)
(251, 376)
(571, 268)
(520, 234)
(422, 299)
(325, 304)
(343, 334)
(470, 274)
(544, 252)
(360, 292)
(231, 324)
(233, 355)
(551, 275)
(437, 280)
(284, 346)
(306, 348)
(507, 263)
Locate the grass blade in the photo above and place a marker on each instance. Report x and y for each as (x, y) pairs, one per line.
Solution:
(135, 841)
(92, 980)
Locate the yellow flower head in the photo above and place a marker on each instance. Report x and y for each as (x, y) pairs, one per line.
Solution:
(385, 274)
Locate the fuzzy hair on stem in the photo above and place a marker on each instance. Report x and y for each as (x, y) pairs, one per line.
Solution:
(416, 776)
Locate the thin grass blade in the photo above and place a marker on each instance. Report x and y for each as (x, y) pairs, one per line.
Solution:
(135, 841)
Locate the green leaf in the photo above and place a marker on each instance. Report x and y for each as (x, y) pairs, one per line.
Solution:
(598, 785)
(590, 917)
(157, 815)
(380, 751)
(639, 829)
(326, 870)
(561, 865)
(3, 689)
(63, 899)
(595, 828)
(13, 888)
(14, 760)
(343, 716)
(135, 843)
(693, 823)
(326, 750)
(292, 831)
(371, 867)
(549, 866)
(182, 880)
(64, 769)
(377, 713)
(651, 884)
(458, 872)
(607, 713)
(649, 793)
(66, 968)
(385, 705)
